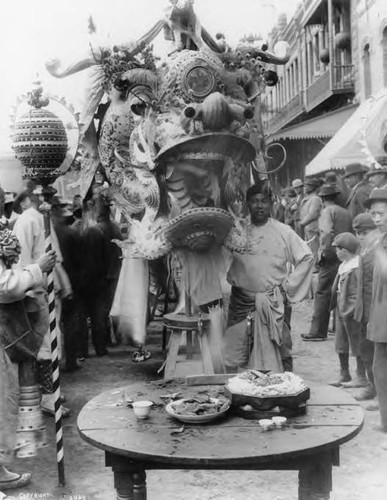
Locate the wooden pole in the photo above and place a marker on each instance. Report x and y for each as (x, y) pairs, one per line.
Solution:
(48, 192)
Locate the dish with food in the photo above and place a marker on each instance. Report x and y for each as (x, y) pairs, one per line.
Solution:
(255, 383)
(264, 391)
(198, 409)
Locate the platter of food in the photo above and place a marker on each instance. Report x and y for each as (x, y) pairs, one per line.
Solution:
(264, 391)
(198, 409)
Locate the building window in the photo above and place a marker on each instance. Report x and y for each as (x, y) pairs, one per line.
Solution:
(384, 45)
(367, 70)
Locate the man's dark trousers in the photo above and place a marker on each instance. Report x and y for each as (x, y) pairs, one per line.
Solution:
(322, 299)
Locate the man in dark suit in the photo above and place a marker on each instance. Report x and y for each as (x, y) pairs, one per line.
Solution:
(333, 221)
(360, 189)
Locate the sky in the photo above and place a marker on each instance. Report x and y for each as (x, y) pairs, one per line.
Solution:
(34, 31)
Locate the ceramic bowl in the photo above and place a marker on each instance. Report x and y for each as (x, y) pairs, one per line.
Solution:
(142, 408)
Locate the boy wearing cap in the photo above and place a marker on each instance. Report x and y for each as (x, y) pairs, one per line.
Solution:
(377, 330)
(344, 298)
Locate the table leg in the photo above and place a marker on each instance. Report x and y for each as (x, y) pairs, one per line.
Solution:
(139, 485)
(123, 483)
(315, 478)
(129, 477)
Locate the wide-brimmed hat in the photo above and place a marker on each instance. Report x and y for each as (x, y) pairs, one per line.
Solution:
(328, 190)
(312, 181)
(362, 222)
(297, 183)
(355, 168)
(9, 197)
(374, 170)
(376, 195)
(347, 241)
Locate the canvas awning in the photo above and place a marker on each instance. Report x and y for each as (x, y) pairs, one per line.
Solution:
(324, 126)
(360, 139)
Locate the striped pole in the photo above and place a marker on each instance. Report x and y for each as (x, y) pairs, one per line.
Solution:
(48, 192)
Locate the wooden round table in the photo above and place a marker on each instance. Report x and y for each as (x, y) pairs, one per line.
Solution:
(309, 443)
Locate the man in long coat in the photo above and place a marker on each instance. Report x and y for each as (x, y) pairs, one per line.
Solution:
(377, 203)
(360, 189)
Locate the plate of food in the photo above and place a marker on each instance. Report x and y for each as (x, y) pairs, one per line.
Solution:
(264, 391)
(198, 409)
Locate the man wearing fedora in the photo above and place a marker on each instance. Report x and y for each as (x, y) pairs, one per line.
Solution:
(377, 331)
(377, 175)
(310, 210)
(333, 221)
(359, 188)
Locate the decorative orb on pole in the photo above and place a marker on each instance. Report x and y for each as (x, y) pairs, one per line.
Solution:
(41, 145)
(40, 140)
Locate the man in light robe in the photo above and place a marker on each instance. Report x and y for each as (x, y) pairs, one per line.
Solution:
(18, 337)
(29, 230)
(272, 274)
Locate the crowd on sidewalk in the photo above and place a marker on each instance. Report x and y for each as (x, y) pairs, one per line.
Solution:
(343, 218)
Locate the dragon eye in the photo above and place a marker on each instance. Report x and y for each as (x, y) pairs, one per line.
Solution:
(200, 81)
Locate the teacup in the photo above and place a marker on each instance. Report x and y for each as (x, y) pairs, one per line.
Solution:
(266, 424)
(142, 408)
(279, 422)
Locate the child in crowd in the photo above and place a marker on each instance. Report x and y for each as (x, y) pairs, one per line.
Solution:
(344, 298)
(368, 237)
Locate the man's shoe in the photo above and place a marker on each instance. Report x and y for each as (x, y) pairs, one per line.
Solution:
(355, 383)
(19, 481)
(344, 377)
(367, 393)
(307, 337)
(373, 406)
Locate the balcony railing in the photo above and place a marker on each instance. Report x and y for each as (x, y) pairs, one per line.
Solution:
(284, 115)
(322, 88)
(318, 91)
(343, 77)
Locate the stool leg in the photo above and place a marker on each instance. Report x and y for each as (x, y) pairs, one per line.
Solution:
(189, 335)
(173, 350)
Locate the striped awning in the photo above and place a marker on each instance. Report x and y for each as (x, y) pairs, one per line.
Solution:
(360, 139)
(324, 126)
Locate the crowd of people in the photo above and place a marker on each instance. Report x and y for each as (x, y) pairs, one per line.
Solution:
(343, 219)
(85, 264)
(333, 228)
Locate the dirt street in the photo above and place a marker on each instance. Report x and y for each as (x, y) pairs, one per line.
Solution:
(361, 476)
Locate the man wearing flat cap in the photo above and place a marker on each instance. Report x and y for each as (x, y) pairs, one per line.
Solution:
(310, 210)
(263, 287)
(333, 221)
(360, 189)
(377, 331)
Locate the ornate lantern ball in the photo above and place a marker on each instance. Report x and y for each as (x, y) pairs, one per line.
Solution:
(324, 56)
(343, 40)
(40, 140)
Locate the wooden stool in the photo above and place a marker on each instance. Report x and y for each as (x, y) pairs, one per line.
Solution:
(179, 324)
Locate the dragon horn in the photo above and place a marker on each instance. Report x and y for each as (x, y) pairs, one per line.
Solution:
(147, 38)
(54, 66)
